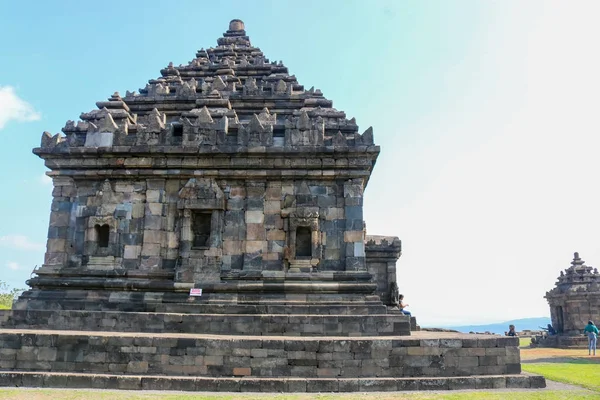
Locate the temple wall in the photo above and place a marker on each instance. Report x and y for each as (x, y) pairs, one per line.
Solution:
(270, 357)
(253, 225)
(577, 310)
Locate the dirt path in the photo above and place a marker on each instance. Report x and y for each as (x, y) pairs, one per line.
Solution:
(99, 394)
(542, 354)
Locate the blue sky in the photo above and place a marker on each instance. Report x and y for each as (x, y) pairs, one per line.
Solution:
(487, 114)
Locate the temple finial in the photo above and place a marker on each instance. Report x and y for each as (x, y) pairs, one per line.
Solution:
(236, 25)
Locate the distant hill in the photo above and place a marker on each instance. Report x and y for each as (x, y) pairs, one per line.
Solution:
(501, 327)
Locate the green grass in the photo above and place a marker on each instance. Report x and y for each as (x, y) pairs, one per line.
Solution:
(4, 307)
(577, 372)
(44, 394)
(524, 341)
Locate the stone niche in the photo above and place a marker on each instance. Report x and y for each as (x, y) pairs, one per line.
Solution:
(102, 237)
(304, 240)
(201, 208)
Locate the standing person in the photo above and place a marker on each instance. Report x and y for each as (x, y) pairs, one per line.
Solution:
(403, 305)
(592, 333)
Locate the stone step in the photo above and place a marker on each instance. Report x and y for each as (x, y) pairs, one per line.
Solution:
(210, 308)
(423, 354)
(245, 384)
(352, 309)
(211, 303)
(562, 341)
(235, 324)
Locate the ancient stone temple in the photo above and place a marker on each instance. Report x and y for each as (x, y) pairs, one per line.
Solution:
(207, 233)
(573, 302)
(225, 174)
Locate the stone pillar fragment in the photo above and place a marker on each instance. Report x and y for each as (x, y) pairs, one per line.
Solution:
(354, 235)
(256, 240)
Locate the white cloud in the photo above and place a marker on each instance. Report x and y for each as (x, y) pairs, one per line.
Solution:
(20, 242)
(13, 265)
(12, 107)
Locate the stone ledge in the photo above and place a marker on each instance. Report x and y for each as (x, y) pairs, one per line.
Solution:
(233, 150)
(287, 385)
(235, 324)
(234, 287)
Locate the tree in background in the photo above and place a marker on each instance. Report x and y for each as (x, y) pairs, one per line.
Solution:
(7, 295)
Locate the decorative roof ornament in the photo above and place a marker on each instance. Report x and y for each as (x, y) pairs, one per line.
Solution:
(204, 116)
(218, 84)
(281, 87)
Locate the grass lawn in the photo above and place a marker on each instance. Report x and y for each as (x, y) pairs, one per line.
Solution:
(571, 366)
(524, 341)
(26, 394)
(576, 372)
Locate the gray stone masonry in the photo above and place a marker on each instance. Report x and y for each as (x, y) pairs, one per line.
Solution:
(233, 324)
(424, 355)
(267, 385)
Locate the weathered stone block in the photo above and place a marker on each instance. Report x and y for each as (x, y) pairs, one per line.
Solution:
(378, 385)
(255, 217)
(296, 385)
(255, 231)
(255, 246)
(242, 371)
(537, 382)
(250, 385)
(55, 381)
(518, 382)
(322, 385)
(154, 196)
(132, 252)
(137, 367)
(492, 382)
(468, 362)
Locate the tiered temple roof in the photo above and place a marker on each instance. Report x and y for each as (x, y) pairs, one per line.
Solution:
(577, 278)
(230, 96)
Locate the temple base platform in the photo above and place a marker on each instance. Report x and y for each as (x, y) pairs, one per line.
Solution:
(233, 363)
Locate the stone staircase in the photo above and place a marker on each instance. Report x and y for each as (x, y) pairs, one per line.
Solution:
(562, 341)
(197, 361)
(278, 385)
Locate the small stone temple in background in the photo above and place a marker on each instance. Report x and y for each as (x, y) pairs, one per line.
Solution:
(207, 234)
(573, 302)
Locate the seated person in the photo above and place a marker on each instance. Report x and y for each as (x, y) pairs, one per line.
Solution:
(511, 331)
(403, 305)
(551, 330)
